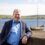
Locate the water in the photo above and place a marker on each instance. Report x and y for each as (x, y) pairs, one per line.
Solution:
(29, 22)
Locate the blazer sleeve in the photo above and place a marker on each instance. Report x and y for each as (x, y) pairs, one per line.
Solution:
(28, 31)
(2, 35)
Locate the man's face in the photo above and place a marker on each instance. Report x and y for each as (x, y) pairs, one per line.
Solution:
(16, 15)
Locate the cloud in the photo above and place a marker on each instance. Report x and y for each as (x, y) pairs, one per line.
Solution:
(41, 9)
(26, 9)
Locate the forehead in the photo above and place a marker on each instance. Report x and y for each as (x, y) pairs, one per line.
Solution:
(16, 11)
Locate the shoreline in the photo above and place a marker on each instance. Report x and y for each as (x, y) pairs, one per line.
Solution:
(25, 17)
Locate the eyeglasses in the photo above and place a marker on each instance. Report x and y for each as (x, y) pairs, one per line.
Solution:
(17, 14)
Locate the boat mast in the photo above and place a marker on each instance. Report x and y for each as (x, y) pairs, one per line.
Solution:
(37, 14)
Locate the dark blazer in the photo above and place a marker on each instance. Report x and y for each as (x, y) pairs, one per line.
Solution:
(6, 29)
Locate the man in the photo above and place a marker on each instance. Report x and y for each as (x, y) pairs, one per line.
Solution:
(15, 31)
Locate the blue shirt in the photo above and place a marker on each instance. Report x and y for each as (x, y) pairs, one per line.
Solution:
(14, 35)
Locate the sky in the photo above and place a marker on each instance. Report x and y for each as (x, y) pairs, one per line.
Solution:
(26, 7)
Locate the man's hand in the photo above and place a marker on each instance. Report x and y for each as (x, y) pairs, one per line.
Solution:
(24, 40)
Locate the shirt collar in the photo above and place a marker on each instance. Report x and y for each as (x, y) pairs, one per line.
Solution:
(17, 21)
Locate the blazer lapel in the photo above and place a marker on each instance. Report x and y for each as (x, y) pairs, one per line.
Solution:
(22, 29)
(9, 26)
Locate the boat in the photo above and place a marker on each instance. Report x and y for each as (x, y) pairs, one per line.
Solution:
(39, 28)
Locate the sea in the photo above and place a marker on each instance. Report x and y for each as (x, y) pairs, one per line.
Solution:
(29, 22)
